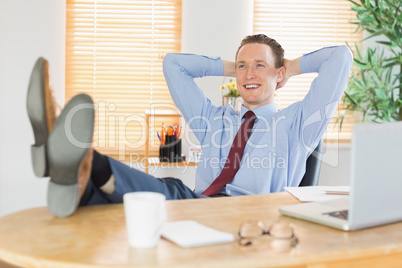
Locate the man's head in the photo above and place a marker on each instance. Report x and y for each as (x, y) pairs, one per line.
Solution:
(259, 67)
(276, 48)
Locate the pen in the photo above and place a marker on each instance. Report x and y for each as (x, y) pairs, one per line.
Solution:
(175, 131)
(170, 131)
(337, 192)
(163, 134)
(159, 137)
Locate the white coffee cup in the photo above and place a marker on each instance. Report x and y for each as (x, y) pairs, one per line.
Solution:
(145, 215)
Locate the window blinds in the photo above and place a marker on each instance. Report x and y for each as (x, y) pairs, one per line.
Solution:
(114, 53)
(301, 27)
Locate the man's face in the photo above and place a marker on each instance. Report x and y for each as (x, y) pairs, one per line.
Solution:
(256, 75)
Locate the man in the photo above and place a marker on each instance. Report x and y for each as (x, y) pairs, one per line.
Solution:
(258, 151)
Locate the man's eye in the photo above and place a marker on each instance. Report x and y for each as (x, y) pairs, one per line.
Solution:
(241, 66)
(260, 65)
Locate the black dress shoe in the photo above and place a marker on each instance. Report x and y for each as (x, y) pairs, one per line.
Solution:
(41, 107)
(70, 155)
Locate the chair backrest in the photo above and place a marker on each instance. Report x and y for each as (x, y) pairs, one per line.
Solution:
(313, 166)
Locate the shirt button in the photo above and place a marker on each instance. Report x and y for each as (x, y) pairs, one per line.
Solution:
(228, 192)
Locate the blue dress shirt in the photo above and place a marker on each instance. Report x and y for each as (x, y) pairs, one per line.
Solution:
(281, 140)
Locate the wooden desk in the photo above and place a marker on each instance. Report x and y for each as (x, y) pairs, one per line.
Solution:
(96, 237)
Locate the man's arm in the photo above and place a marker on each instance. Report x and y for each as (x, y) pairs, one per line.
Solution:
(315, 111)
(180, 71)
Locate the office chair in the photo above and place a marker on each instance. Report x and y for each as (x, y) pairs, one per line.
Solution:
(313, 166)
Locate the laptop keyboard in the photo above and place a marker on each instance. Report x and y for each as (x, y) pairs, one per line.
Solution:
(342, 214)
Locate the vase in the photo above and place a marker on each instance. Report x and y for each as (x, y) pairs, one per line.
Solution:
(236, 102)
(229, 100)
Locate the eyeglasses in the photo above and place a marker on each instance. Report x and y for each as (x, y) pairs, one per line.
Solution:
(282, 233)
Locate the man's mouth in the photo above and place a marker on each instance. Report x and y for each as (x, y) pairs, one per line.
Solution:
(251, 86)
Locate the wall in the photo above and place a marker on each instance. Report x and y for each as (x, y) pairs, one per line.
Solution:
(335, 166)
(215, 32)
(28, 29)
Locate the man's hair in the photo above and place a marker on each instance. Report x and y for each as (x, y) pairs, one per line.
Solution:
(276, 48)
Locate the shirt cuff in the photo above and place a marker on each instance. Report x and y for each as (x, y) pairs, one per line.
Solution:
(215, 67)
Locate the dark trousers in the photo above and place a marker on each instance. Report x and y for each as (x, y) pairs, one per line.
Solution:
(128, 180)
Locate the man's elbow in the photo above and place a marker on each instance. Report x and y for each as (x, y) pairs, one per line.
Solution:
(168, 60)
(346, 56)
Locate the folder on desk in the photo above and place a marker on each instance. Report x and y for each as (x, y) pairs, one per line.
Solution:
(193, 234)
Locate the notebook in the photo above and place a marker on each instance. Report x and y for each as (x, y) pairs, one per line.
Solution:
(376, 183)
(193, 234)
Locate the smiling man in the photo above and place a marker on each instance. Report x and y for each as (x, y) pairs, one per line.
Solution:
(259, 151)
(280, 141)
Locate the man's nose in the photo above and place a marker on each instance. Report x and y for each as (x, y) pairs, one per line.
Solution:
(250, 73)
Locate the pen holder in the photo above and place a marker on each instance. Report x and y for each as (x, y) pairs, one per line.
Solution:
(171, 151)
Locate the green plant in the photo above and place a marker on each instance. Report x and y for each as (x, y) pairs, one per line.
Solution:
(230, 90)
(375, 86)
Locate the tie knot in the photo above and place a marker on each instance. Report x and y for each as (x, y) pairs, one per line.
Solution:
(249, 114)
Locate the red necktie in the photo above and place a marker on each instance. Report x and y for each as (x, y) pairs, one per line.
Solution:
(235, 154)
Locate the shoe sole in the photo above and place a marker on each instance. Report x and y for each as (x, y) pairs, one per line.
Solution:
(68, 146)
(37, 113)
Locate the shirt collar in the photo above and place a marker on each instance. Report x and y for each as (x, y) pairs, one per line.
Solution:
(263, 110)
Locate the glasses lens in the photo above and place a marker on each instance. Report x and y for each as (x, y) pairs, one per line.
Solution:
(281, 230)
(283, 236)
(251, 229)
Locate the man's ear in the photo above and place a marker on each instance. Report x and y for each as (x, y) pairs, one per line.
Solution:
(281, 74)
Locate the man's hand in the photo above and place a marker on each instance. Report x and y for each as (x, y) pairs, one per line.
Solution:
(292, 68)
(229, 68)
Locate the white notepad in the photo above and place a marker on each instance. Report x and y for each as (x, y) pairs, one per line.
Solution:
(193, 234)
(318, 193)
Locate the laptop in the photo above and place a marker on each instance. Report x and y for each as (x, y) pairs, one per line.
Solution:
(376, 183)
